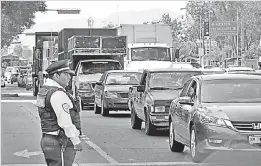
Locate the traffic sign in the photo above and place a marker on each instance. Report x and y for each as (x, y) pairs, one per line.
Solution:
(223, 28)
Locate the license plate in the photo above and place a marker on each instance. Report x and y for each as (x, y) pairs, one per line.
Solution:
(255, 139)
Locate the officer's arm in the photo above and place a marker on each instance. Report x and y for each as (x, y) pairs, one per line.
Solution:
(61, 105)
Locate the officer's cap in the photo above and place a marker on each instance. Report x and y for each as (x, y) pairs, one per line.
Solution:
(60, 66)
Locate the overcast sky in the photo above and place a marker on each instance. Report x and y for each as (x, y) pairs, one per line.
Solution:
(101, 9)
(98, 9)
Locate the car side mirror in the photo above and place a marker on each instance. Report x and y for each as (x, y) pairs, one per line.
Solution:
(99, 83)
(140, 88)
(186, 100)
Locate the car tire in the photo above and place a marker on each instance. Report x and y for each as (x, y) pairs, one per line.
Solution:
(12, 82)
(197, 156)
(104, 111)
(136, 122)
(97, 109)
(150, 129)
(173, 144)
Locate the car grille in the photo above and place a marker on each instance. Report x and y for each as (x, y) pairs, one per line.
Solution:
(246, 126)
(163, 103)
(123, 95)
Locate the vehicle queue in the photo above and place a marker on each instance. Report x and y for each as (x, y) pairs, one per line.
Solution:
(206, 111)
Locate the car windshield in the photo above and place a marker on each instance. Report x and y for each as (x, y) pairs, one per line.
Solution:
(122, 78)
(98, 67)
(150, 53)
(231, 91)
(170, 80)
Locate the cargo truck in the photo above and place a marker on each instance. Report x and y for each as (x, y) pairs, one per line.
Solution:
(90, 57)
(149, 45)
(42, 57)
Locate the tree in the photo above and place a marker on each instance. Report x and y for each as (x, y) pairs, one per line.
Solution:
(249, 20)
(18, 50)
(16, 16)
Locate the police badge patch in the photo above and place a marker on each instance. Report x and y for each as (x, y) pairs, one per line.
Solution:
(66, 107)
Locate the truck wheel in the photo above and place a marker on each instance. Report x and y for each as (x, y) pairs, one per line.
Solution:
(104, 111)
(149, 127)
(97, 109)
(135, 121)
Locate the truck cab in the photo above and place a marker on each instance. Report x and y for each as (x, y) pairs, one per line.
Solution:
(144, 55)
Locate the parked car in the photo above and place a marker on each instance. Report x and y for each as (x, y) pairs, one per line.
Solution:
(111, 92)
(256, 72)
(28, 80)
(214, 70)
(216, 112)
(149, 101)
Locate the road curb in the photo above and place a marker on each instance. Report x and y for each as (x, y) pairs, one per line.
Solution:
(10, 95)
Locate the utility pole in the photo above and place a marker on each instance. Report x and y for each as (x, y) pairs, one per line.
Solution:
(209, 26)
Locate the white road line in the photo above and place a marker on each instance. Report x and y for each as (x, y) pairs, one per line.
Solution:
(18, 101)
(98, 149)
(118, 164)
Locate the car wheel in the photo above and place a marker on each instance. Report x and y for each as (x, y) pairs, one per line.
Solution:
(97, 109)
(135, 121)
(12, 82)
(173, 144)
(149, 127)
(104, 111)
(197, 156)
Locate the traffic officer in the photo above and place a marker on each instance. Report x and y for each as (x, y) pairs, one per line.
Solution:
(60, 120)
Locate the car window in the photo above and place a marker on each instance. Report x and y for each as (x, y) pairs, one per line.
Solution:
(185, 88)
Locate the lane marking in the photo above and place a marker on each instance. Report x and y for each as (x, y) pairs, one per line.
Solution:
(18, 101)
(140, 164)
(98, 149)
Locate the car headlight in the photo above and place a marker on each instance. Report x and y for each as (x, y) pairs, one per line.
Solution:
(159, 109)
(85, 86)
(108, 94)
(209, 120)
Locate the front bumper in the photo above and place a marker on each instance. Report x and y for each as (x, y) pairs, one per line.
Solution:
(87, 99)
(116, 103)
(159, 119)
(212, 138)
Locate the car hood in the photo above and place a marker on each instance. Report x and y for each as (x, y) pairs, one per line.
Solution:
(90, 77)
(234, 111)
(118, 88)
(134, 65)
(164, 94)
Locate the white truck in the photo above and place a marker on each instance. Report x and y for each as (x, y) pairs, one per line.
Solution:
(149, 45)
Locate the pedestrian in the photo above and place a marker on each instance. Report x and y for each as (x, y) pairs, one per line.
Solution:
(60, 119)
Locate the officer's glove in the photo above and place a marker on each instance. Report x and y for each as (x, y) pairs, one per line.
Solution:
(78, 147)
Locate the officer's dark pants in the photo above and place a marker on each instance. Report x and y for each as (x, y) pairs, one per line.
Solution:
(51, 148)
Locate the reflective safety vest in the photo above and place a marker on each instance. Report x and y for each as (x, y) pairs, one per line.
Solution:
(47, 115)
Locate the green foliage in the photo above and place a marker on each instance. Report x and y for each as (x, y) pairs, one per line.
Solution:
(16, 16)
(18, 50)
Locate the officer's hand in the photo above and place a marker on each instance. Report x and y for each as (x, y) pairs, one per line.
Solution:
(78, 147)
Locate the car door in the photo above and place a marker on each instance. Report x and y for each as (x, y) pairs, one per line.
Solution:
(177, 114)
(187, 110)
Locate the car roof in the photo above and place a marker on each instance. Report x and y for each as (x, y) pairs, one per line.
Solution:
(228, 76)
(158, 70)
(124, 71)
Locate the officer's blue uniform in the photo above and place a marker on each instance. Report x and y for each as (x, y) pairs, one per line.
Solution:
(60, 120)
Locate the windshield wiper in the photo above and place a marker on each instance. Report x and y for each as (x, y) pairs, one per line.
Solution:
(159, 88)
(114, 84)
(177, 88)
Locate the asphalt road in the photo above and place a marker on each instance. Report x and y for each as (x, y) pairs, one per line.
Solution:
(109, 140)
